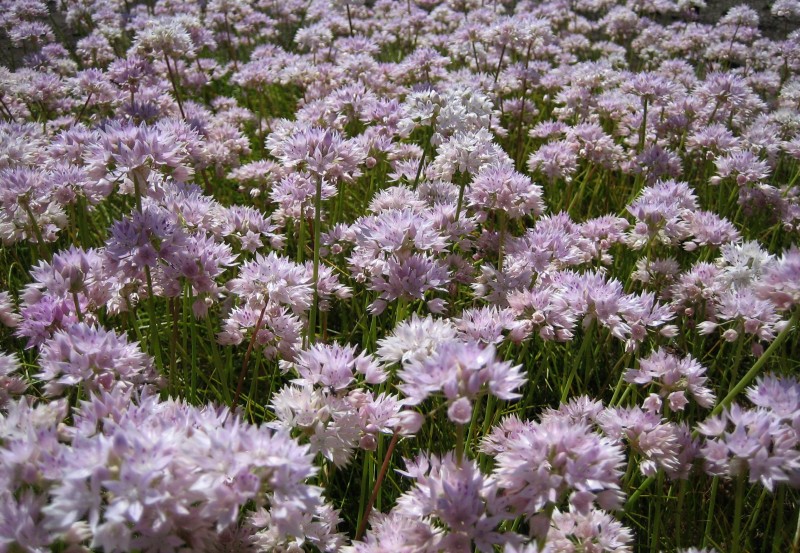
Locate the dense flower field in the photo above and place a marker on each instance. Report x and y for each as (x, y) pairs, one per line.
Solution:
(418, 276)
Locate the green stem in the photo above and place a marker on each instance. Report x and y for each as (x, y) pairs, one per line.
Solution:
(223, 368)
(381, 475)
(581, 357)
(777, 536)
(459, 443)
(710, 515)
(243, 373)
(189, 318)
(174, 82)
(741, 480)
(151, 311)
(503, 223)
(77, 306)
(643, 126)
(656, 529)
(312, 319)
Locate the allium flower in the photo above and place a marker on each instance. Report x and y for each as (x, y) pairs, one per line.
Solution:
(778, 395)
(457, 497)
(94, 358)
(323, 153)
(294, 195)
(278, 335)
(544, 463)
(409, 279)
(415, 339)
(460, 370)
(41, 319)
(780, 280)
(574, 532)
(673, 376)
(28, 207)
(10, 383)
(748, 313)
(753, 440)
(127, 154)
(542, 309)
(485, 325)
(500, 189)
(660, 444)
(148, 238)
(168, 38)
(743, 263)
(276, 280)
(661, 213)
(8, 315)
(397, 532)
(744, 166)
(331, 422)
(333, 366)
(466, 152)
(555, 160)
(75, 276)
(251, 227)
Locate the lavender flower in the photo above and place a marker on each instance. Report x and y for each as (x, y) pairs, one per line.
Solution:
(460, 370)
(544, 463)
(674, 377)
(459, 498)
(415, 339)
(742, 440)
(596, 530)
(501, 189)
(92, 357)
(334, 367)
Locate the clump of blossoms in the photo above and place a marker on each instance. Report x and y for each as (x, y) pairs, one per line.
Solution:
(73, 286)
(461, 371)
(135, 472)
(93, 358)
(336, 413)
(761, 442)
(387, 211)
(460, 506)
(539, 465)
(673, 377)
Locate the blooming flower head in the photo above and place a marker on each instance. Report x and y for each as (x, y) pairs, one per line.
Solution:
(323, 153)
(460, 370)
(415, 339)
(752, 440)
(544, 463)
(94, 357)
(501, 189)
(457, 496)
(674, 376)
(334, 366)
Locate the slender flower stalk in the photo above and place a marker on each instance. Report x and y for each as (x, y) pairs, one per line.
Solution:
(312, 318)
(377, 487)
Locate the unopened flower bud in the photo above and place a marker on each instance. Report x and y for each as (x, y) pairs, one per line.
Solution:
(730, 335)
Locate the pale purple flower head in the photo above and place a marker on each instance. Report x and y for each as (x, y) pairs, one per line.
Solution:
(544, 463)
(780, 281)
(323, 153)
(10, 384)
(457, 496)
(93, 357)
(575, 532)
(674, 376)
(501, 189)
(752, 440)
(460, 370)
(334, 366)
